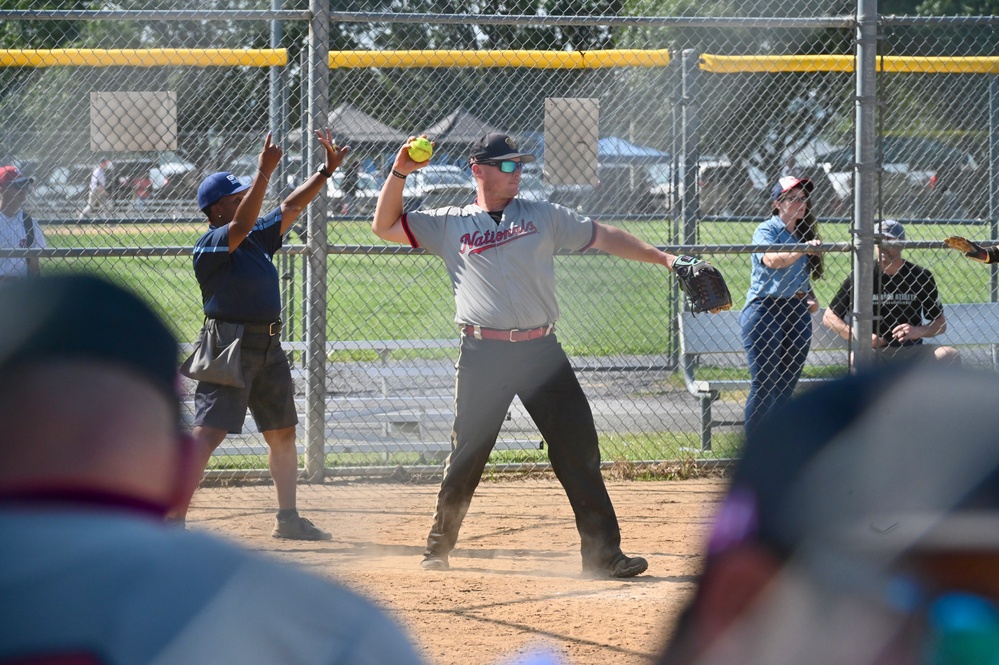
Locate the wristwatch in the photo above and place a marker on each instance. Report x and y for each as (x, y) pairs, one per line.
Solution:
(323, 172)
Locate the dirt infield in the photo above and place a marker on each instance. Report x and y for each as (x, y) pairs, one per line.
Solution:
(514, 582)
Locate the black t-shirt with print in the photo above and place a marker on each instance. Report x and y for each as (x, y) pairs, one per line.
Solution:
(909, 296)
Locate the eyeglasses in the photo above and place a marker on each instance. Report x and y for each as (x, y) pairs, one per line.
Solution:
(506, 166)
(794, 199)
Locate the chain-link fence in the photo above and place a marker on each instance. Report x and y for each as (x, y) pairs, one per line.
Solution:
(671, 121)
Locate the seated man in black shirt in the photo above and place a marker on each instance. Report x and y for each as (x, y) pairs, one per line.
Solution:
(905, 295)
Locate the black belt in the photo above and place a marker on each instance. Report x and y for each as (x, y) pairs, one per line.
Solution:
(272, 329)
(478, 332)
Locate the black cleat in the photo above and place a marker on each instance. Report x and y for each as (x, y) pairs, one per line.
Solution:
(622, 566)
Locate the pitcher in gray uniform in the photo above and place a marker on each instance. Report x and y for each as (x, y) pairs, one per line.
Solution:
(499, 251)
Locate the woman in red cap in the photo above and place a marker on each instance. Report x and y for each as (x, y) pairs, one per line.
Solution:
(776, 320)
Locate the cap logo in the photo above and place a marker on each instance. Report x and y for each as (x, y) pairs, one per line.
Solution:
(233, 179)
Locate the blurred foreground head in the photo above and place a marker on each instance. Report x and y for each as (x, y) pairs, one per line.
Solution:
(861, 526)
(88, 395)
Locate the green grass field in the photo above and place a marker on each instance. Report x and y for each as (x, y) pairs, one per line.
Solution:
(609, 306)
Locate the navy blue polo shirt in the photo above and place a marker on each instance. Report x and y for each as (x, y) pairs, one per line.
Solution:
(241, 285)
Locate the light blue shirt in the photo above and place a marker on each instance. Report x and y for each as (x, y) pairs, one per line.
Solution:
(767, 282)
(134, 591)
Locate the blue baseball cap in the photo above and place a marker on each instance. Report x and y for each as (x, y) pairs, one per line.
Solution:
(215, 186)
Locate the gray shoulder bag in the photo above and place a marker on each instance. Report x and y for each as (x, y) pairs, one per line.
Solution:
(216, 355)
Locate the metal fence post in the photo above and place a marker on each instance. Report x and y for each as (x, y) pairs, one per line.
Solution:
(864, 180)
(690, 133)
(994, 191)
(315, 300)
(691, 128)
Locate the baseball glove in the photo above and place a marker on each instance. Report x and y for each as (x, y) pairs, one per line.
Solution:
(703, 285)
(972, 250)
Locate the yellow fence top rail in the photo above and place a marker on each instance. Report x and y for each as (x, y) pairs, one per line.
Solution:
(165, 57)
(732, 64)
(716, 64)
(525, 59)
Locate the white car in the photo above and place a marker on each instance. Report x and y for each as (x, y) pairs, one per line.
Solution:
(919, 177)
(244, 168)
(172, 176)
(438, 186)
(365, 196)
(62, 184)
(723, 189)
(534, 188)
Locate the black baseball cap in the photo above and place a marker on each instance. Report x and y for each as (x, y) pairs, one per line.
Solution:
(82, 317)
(885, 462)
(498, 147)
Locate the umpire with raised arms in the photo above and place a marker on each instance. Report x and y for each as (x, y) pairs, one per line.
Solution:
(499, 251)
(233, 262)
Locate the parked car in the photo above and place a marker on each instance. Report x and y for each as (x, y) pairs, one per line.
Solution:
(60, 187)
(244, 167)
(724, 189)
(126, 174)
(365, 196)
(534, 188)
(173, 177)
(621, 189)
(919, 177)
(437, 186)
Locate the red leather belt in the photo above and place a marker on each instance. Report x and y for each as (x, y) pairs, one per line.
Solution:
(478, 332)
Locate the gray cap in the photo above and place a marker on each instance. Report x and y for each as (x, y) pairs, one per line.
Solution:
(81, 317)
(891, 228)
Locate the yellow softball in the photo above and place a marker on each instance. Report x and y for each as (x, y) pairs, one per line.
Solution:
(420, 149)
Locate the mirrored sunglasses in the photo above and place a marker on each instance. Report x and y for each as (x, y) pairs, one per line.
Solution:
(506, 166)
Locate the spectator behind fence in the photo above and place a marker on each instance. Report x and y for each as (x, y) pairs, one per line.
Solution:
(98, 194)
(233, 262)
(905, 295)
(92, 456)
(861, 526)
(17, 228)
(776, 319)
(142, 188)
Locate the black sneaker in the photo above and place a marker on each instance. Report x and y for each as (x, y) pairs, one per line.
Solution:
(299, 528)
(622, 566)
(435, 562)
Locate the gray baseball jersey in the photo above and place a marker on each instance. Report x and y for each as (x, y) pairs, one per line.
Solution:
(503, 275)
